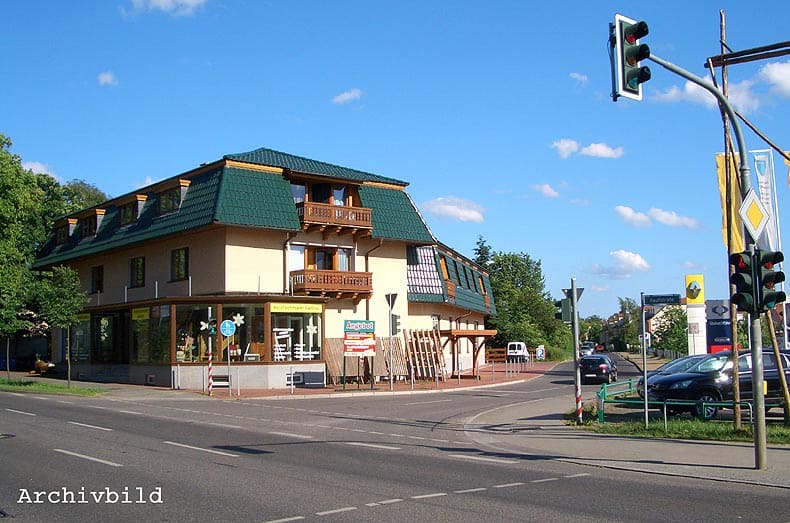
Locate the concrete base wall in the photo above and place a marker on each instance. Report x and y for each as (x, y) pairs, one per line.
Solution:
(195, 377)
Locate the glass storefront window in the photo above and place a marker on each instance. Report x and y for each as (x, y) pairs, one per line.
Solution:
(151, 334)
(248, 342)
(191, 342)
(296, 337)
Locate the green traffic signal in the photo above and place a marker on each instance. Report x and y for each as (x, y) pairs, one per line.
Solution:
(395, 323)
(629, 52)
(769, 294)
(743, 280)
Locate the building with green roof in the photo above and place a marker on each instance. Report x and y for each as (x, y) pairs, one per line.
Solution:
(284, 248)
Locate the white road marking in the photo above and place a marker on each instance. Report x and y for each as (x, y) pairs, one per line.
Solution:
(335, 511)
(289, 435)
(390, 501)
(130, 412)
(578, 475)
(21, 412)
(469, 490)
(202, 449)
(506, 485)
(66, 402)
(543, 480)
(224, 425)
(284, 520)
(89, 426)
(90, 458)
(481, 458)
(426, 496)
(371, 445)
(427, 402)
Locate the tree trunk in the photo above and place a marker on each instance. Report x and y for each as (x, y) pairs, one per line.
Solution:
(68, 356)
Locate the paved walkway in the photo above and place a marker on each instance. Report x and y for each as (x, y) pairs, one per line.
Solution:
(542, 430)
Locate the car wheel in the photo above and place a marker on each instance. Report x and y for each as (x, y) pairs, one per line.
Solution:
(708, 412)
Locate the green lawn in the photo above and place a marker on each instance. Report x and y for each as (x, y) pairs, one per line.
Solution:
(679, 428)
(22, 385)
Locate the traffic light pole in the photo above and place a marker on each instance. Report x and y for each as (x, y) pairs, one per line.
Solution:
(578, 376)
(760, 442)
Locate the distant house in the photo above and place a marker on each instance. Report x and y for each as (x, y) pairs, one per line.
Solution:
(283, 247)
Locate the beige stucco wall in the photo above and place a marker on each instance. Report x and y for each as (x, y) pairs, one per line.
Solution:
(206, 265)
(254, 260)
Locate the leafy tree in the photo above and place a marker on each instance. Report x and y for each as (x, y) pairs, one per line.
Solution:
(672, 331)
(525, 311)
(61, 299)
(628, 333)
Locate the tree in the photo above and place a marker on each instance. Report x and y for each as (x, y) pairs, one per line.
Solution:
(628, 329)
(525, 311)
(61, 299)
(671, 331)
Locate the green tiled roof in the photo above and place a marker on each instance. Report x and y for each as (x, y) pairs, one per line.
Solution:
(273, 158)
(426, 285)
(243, 197)
(394, 215)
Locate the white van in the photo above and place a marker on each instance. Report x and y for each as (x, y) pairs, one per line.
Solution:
(517, 351)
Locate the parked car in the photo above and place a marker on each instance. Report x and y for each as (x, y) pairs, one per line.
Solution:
(587, 348)
(711, 380)
(681, 364)
(597, 368)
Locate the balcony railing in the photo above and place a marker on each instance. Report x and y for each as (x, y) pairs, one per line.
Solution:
(323, 215)
(343, 284)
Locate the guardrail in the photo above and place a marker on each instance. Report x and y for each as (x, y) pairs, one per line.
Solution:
(609, 394)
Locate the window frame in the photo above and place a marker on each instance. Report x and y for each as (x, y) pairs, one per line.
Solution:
(137, 272)
(179, 268)
(97, 279)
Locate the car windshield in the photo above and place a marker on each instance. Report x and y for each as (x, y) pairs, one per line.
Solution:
(711, 363)
(679, 365)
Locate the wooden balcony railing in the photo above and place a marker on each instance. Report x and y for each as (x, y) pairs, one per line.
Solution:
(323, 215)
(340, 284)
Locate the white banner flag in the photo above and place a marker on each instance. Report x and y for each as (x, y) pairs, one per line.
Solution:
(764, 166)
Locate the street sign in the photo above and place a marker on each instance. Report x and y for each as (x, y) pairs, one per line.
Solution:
(227, 328)
(568, 293)
(754, 214)
(662, 299)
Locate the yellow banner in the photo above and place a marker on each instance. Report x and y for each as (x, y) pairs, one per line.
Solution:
(141, 313)
(304, 308)
(736, 226)
(695, 289)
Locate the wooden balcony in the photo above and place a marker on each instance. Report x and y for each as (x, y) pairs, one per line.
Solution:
(336, 284)
(336, 219)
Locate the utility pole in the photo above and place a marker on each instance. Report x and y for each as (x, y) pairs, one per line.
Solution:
(760, 443)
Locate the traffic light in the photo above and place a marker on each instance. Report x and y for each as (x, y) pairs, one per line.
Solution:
(212, 327)
(395, 323)
(769, 295)
(629, 53)
(744, 280)
(563, 310)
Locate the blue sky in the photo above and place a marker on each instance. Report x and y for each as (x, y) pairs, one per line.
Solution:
(497, 113)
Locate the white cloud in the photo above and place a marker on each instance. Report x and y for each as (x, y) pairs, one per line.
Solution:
(601, 150)
(456, 208)
(672, 219)
(565, 147)
(626, 264)
(777, 75)
(38, 168)
(107, 78)
(174, 7)
(348, 96)
(546, 190)
(741, 95)
(632, 217)
(581, 79)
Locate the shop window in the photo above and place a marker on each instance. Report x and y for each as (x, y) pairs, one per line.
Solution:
(296, 337)
(137, 272)
(151, 334)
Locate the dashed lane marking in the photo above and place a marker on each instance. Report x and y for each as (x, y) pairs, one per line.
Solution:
(482, 458)
(202, 449)
(370, 445)
(335, 511)
(21, 412)
(89, 458)
(89, 426)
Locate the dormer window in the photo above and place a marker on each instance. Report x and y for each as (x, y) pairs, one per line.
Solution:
(90, 224)
(170, 199)
(129, 212)
(64, 231)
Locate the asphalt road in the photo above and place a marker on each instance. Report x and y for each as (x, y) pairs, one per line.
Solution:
(444, 457)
